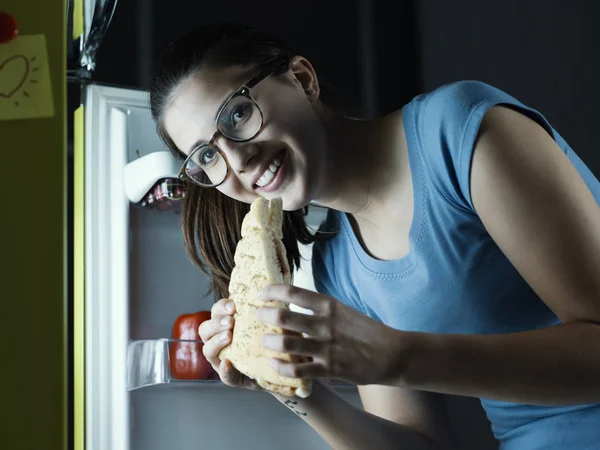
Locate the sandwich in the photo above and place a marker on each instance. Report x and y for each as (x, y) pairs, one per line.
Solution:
(260, 260)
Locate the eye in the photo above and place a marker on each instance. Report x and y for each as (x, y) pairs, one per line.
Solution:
(240, 114)
(208, 156)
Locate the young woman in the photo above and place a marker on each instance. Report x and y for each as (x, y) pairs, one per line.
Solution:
(467, 259)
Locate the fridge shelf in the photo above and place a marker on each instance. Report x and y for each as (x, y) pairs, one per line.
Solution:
(148, 364)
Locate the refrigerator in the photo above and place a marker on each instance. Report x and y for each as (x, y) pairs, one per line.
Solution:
(137, 280)
(132, 280)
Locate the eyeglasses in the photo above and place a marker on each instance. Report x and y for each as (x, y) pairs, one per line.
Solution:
(239, 119)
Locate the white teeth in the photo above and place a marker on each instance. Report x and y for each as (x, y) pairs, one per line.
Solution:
(269, 174)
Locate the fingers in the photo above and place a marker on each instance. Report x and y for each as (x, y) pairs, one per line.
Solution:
(216, 332)
(223, 307)
(213, 347)
(293, 345)
(210, 328)
(221, 320)
(287, 293)
(232, 377)
(304, 370)
(302, 323)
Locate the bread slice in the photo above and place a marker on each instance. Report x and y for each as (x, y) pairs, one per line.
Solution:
(260, 260)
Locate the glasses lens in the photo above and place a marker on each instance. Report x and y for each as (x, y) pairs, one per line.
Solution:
(207, 166)
(240, 119)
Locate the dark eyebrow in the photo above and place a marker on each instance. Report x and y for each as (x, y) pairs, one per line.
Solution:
(200, 142)
(194, 146)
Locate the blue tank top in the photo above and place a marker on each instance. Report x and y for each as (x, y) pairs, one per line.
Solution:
(455, 279)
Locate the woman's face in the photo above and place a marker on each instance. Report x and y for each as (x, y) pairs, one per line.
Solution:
(292, 139)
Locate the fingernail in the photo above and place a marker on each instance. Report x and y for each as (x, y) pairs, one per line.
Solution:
(229, 307)
(225, 321)
(223, 337)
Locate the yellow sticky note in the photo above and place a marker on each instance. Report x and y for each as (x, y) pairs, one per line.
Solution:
(77, 18)
(25, 88)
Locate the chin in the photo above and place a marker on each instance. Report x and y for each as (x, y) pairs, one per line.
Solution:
(292, 201)
(295, 195)
(289, 204)
(293, 206)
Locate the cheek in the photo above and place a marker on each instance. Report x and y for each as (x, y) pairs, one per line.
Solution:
(305, 131)
(311, 145)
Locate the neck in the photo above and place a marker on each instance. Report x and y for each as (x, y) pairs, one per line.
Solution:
(365, 166)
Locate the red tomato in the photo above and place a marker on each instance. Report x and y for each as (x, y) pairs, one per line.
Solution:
(9, 28)
(186, 358)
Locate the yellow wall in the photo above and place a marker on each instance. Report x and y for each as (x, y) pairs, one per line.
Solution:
(33, 205)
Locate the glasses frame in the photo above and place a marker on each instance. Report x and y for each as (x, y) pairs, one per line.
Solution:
(244, 91)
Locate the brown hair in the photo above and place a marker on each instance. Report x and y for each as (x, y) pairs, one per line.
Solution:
(211, 221)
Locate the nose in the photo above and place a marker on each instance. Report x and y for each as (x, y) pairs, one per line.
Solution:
(239, 154)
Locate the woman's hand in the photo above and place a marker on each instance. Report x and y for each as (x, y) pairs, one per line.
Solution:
(216, 333)
(343, 343)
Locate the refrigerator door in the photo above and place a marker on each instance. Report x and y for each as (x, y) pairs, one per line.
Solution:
(106, 237)
(138, 280)
(35, 348)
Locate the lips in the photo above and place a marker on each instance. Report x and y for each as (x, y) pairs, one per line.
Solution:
(279, 176)
(267, 173)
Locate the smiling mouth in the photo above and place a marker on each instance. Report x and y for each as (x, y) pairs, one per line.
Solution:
(269, 174)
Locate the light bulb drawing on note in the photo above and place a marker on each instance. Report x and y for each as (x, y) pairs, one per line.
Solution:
(16, 79)
(25, 87)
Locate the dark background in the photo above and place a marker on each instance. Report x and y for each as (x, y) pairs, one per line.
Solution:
(354, 44)
(382, 53)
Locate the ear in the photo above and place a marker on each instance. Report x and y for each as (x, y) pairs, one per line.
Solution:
(306, 76)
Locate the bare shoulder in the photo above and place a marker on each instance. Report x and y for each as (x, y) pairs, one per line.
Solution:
(424, 412)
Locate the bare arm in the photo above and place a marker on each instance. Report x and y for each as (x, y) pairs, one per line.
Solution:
(344, 426)
(543, 217)
(424, 412)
